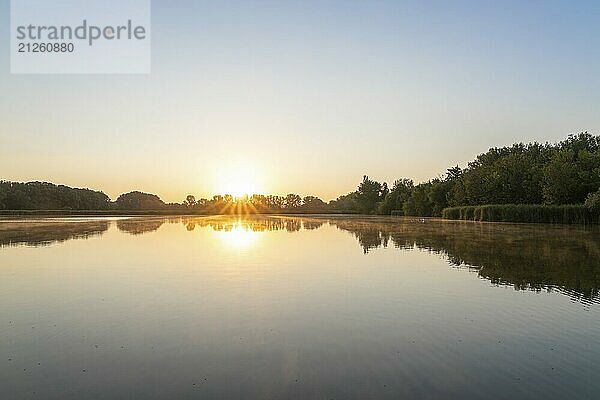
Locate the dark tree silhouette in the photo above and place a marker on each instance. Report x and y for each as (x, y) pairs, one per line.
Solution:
(139, 201)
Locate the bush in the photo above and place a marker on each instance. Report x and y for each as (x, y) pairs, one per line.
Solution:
(531, 213)
(592, 202)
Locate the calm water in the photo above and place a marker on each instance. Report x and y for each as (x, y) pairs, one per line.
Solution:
(297, 308)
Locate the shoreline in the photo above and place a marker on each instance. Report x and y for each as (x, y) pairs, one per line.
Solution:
(7, 215)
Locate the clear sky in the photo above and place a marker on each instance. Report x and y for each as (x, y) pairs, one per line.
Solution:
(307, 96)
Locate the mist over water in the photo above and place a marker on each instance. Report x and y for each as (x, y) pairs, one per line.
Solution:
(297, 307)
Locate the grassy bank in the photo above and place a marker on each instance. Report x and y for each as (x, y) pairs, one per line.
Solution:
(529, 213)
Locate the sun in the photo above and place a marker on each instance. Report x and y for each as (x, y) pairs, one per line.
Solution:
(239, 188)
(239, 180)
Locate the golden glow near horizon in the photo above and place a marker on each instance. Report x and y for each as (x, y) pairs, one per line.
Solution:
(239, 180)
(238, 237)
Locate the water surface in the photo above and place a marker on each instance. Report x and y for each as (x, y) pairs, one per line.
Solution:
(297, 308)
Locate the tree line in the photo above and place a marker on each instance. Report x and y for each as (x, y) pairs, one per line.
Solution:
(48, 196)
(256, 204)
(567, 172)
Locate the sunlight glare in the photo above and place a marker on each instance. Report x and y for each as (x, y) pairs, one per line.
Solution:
(239, 237)
(239, 181)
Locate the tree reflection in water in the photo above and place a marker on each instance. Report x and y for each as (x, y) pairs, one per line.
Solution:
(36, 233)
(526, 256)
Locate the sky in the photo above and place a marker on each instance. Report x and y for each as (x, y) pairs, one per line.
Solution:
(307, 96)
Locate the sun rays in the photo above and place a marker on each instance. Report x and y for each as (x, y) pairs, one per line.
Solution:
(240, 180)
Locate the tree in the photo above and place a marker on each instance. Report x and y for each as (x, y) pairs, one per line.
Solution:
(571, 175)
(313, 204)
(439, 191)
(418, 204)
(500, 176)
(292, 201)
(345, 203)
(190, 201)
(397, 196)
(369, 194)
(139, 201)
(48, 196)
(453, 173)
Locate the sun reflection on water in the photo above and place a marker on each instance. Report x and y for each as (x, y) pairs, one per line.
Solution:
(238, 236)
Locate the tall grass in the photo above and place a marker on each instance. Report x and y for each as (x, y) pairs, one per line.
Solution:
(566, 214)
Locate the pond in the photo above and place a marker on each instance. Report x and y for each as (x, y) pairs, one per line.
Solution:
(312, 307)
